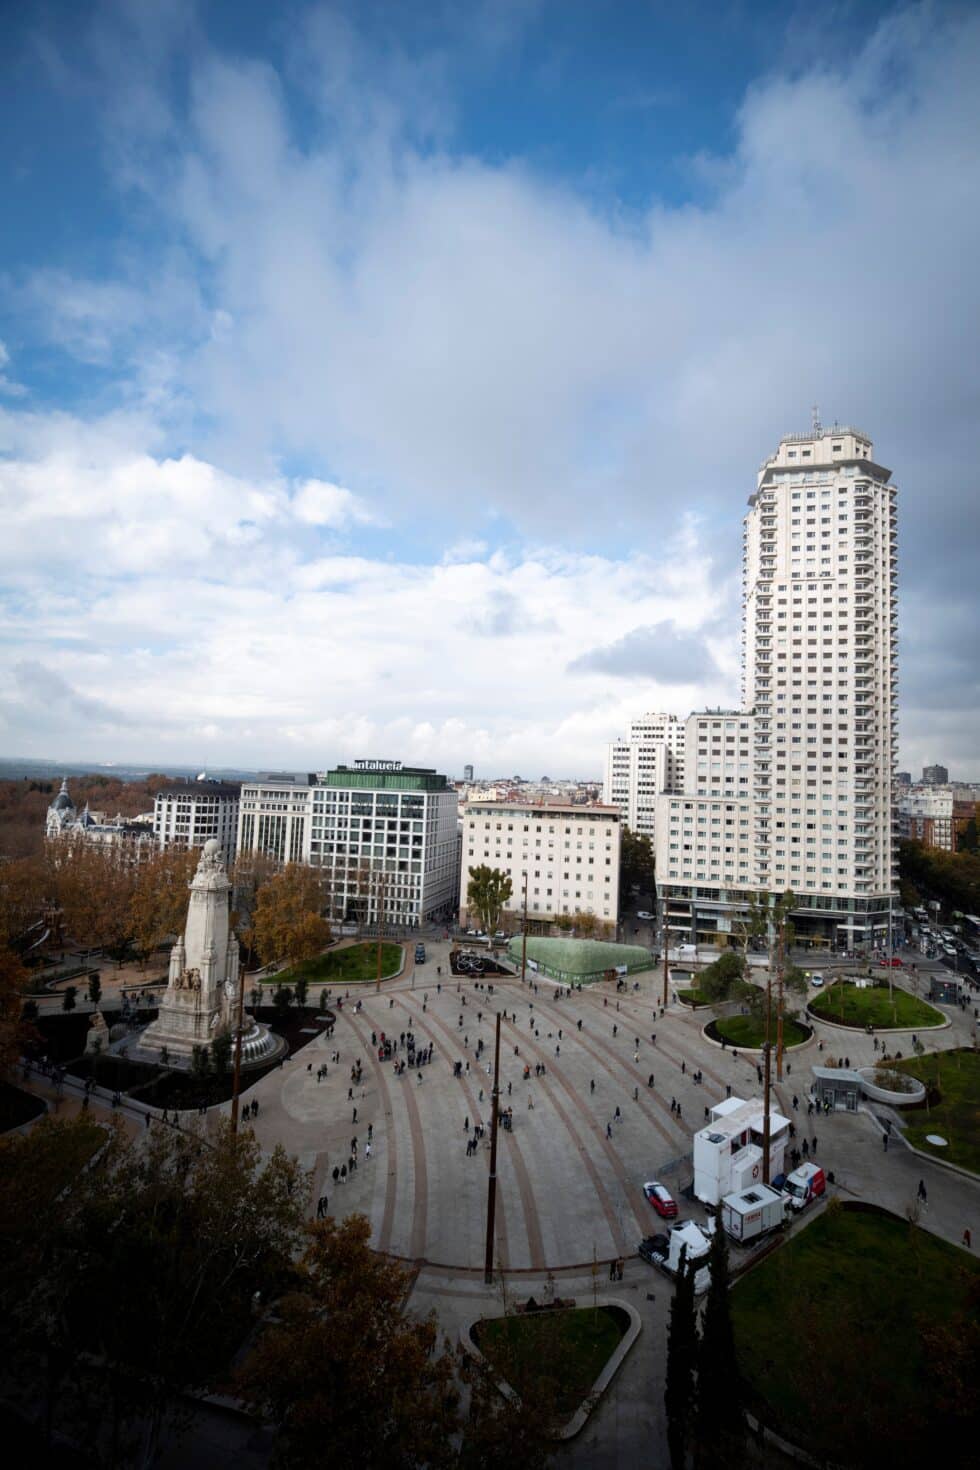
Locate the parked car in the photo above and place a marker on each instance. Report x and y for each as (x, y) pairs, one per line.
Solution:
(816, 980)
(661, 1199)
(644, 914)
(420, 954)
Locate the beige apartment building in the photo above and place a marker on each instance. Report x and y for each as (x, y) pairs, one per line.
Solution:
(795, 789)
(569, 853)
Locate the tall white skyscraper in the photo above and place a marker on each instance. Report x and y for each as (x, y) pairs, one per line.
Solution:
(811, 810)
(648, 761)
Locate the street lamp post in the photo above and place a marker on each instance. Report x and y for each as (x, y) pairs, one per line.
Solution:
(767, 1052)
(381, 921)
(492, 1182)
(524, 935)
(237, 1076)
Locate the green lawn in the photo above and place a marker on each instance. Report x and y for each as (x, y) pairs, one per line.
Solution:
(351, 966)
(850, 1006)
(843, 1367)
(694, 998)
(956, 1077)
(574, 1345)
(746, 1031)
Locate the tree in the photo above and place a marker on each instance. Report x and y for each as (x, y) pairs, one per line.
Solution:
(282, 999)
(287, 923)
(720, 1416)
(487, 892)
(95, 886)
(301, 987)
(682, 1351)
(138, 1286)
(158, 905)
(13, 1016)
(68, 999)
(716, 980)
(94, 988)
(969, 838)
(344, 1373)
(221, 1052)
(637, 866)
(250, 871)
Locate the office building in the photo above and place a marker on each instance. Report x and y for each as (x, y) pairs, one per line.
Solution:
(570, 854)
(935, 776)
(384, 837)
(188, 813)
(645, 763)
(794, 790)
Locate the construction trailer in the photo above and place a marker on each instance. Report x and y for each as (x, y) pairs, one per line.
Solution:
(728, 1149)
(753, 1212)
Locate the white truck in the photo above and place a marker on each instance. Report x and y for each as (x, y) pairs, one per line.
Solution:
(752, 1212)
(686, 1237)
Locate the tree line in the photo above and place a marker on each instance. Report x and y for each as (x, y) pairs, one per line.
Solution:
(136, 1273)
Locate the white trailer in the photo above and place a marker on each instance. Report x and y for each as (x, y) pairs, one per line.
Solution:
(753, 1212)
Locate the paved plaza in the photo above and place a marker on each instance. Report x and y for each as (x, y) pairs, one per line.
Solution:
(571, 1171)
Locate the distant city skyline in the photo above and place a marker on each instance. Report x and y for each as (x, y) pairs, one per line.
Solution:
(395, 380)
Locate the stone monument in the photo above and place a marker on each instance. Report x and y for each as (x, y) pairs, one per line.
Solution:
(201, 999)
(97, 1039)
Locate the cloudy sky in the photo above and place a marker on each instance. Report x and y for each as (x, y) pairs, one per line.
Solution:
(388, 380)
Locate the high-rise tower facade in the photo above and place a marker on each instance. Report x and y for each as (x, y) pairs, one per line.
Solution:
(819, 709)
(648, 761)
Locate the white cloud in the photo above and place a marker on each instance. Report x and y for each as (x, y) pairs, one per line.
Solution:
(486, 351)
(318, 503)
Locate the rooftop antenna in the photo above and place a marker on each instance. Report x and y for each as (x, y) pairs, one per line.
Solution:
(817, 426)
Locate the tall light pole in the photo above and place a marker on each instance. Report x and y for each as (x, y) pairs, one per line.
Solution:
(381, 924)
(492, 1182)
(524, 935)
(666, 946)
(767, 1056)
(237, 1076)
(780, 962)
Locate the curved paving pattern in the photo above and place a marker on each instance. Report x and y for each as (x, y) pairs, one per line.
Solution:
(566, 1192)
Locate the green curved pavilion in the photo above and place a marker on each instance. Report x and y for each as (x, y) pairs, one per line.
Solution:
(580, 961)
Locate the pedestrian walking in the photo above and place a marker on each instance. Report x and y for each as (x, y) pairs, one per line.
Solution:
(650, 1080)
(609, 1130)
(530, 1101)
(813, 1144)
(636, 1094)
(617, 1115)
(367, 1150)
(806, 1149)
(592, 1085)
(884, 1141)
(921, 1194)
(354, 1118)
(343, 1173)
(968, 1240)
